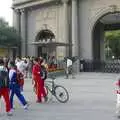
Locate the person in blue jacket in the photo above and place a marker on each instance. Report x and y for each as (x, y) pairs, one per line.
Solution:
(15, 87)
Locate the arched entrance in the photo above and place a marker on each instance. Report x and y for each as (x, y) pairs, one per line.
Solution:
(106, 22)
(43, 38)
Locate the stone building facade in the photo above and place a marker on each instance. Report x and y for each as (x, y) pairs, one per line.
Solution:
(73, 22)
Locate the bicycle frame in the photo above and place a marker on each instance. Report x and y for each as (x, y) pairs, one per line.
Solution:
(52, 90)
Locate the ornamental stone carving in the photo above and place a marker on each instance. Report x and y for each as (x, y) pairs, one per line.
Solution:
(46, 14)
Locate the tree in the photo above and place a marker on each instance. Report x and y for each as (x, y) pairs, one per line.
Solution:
(112, 40)
(8, 35)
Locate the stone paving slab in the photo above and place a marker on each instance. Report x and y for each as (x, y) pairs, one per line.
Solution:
(91, 98)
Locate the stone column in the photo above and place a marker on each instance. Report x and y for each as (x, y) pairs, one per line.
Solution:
(17, 26)
(66, 24)
(16, 20)
(24, 32)
(75, 43)
(75, 47)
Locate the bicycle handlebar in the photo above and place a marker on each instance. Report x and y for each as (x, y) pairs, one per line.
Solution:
(53, 77)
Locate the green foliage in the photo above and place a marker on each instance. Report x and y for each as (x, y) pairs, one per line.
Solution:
(112, 40)
(8, 35)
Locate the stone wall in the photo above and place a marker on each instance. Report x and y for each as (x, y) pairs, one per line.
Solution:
(89, 12)
(39, 19)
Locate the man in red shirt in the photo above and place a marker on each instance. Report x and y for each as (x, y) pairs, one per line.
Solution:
(39, 86)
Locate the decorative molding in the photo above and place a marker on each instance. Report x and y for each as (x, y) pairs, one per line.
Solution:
(113, 8)
(65, 1)
(31, 3)
(45, 14)
(100, 13)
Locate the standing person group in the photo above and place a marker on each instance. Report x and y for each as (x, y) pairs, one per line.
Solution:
(9, 86)
(38, 80)
(12, 79)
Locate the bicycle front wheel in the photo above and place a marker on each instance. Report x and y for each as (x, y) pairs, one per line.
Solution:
(61, 94)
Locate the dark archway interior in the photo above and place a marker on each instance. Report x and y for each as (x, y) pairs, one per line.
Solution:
(45, 35)
(109, 21)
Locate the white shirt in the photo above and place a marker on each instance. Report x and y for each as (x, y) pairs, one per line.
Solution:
(69, 62)
(21, 66)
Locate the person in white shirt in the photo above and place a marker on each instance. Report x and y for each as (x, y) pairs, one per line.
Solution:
(21, 66)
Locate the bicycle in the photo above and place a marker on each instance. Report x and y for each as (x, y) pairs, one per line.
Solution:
(58, 91)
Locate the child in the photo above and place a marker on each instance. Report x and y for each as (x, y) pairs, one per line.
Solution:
(118, 97)
(4, 87)
(15, 87)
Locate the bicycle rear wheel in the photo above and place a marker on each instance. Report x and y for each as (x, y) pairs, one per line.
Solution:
(61, 94)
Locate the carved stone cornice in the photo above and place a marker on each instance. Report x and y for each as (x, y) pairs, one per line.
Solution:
(30, 3)
(64, 1)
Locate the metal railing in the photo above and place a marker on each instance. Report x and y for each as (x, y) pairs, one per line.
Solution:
(112, 66)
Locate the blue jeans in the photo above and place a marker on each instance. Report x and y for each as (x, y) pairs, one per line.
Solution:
(15, 89)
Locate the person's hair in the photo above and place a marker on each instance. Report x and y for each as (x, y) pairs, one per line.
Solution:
(12, 63)
(1, 62)
(36, 59)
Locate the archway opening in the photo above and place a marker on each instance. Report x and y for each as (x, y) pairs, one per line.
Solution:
(106, 26)
(46, 35)
(43, 38)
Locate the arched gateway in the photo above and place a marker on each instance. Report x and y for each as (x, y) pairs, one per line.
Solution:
(43, 41)
(78, 25)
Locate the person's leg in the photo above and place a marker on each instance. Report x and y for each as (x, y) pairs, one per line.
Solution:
(118, 105)
(39, 94)
(11, 98)
(43, 89)
(5, 93)
(0, 93)
(20, 96)
(67, 72)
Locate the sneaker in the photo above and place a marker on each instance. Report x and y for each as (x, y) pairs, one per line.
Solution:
(12, 109)
(26, 107)
(9, 113)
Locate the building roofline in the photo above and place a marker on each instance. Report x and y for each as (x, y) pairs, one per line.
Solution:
(30, 3)
(24, 2)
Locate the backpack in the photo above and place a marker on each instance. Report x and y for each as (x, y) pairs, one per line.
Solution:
(4, 81)
(43, 73)
(20, 78)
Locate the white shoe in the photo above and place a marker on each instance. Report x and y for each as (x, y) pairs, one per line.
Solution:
(12, 110)
(26, 107)
(9, 113)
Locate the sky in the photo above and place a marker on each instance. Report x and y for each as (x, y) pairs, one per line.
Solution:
(6, 11)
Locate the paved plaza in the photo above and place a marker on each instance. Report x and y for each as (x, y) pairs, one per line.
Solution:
(91, 98)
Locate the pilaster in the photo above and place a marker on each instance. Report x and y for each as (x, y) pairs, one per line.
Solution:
(75, 42)
(66, 24)
(24, 32)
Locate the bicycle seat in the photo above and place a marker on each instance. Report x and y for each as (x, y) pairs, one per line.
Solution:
(52, 77)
